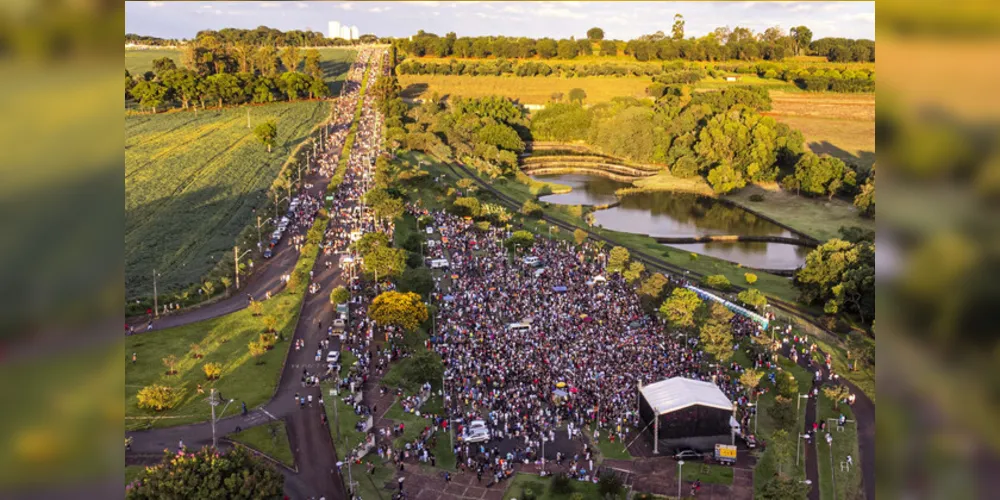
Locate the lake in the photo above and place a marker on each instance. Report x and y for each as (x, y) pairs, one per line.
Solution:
(681, 215)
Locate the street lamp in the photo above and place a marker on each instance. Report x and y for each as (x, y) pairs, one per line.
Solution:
(213, 402)
(236, 263)
(260, 245)
(156, 306)
(680, 474)
(798, 442)
(755, 412)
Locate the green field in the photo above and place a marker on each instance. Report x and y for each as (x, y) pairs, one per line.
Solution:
(816, 217)
(270, 439)
(846, 483)
(540, 486)
(192, 181)
(222, 340)
(138, 62)
(527, 90)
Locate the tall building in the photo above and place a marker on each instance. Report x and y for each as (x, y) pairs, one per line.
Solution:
(354, 33)
(334, 29)
(345, 32)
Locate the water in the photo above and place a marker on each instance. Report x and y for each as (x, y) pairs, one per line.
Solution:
(681, 215)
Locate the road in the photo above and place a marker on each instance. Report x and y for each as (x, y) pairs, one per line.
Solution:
(312, 446)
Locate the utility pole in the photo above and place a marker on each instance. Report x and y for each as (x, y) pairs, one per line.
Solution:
(213, 403)
(236, 263)
(248, 117)
(156, 310)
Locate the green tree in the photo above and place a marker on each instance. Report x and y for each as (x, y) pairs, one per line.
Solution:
(416, 280)
(467, 206)
(717, 334)
(802, 36)
(752, 297)
(782, 412)
(238, 474)
(841, 276)
(520, 240)
(579, 236)
(531, 209)
(405, 310)
(257, 350)
(750, 379)
(820, 175)
(385, 262)
(226, 282)
(339, 295)
(266, 133)
(163, 65)
(653, 285)
(567, 49)
(865, 199)
(783, 488)
(369, 242)
(577, 95)
(312, 66)
(595, 34)
(718, 282)
(546, 48)
(150, 94)
(724, 178)
(617, 259)
(212, 370)
(782, 447)
(680, 308)
(256, 308)
(290, 58)
(677, 31)
(836, 394)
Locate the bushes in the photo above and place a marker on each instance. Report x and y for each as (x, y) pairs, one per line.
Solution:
(531, 209)
(212, 370)
(561, 485)
(782, 412)
(157, 397)
(718, 281)
(757, 197)
(609, 484)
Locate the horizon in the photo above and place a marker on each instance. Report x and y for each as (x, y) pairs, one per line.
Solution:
(619, 20)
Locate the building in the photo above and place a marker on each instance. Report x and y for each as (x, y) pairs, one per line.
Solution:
(334, 29)
(345, 32)
(686, 413)
(732, 78)
(355, 34)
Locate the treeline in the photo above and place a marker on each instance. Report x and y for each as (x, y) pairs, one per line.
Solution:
(723, 44)
(132, 38)
(263, 35)
(525, 68)
(719, 135)
(272, 77)
(842, 79)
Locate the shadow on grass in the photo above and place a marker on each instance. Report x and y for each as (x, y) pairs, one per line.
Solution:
(864, 159)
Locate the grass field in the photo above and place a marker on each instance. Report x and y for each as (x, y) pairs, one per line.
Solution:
(138, 62)
(540, 487)
(847, 483)
(816, 217)
(708, 473)
(192, 181)
(527, 90)
(270, 439)
(222, 340)
(132, 472)
(841, 125)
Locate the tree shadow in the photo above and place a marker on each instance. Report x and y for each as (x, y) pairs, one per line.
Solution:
(414, 90)
(864, 159)
(332, 71)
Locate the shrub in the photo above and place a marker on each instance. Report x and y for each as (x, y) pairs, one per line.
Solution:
(339, 295)
(718, 281)
(156, 397)
(212, 370)
(757, 197)
(782, 412)
(561, 484)
(256, 308)
(786, 385)
(609, 484)
(529, 494)
(531, 209)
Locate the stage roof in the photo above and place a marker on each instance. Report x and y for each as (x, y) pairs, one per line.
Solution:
(677, 393)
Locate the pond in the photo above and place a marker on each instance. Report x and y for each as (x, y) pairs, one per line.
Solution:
(681, 215)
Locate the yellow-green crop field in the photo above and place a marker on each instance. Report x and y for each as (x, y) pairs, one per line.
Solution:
(527, 90)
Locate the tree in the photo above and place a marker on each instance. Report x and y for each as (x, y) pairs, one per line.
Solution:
(163, 64)
(171, 363)
(865, 199)
(617, 259)
(781, 446)
(786, 385)
(577, 95)
(156, 397)
(653, 285)
(718, 282)
(579, 236)
(257, 350)
(384, 262)
(226, 282)
(369, 242)
(531, 209)
(680, 308)
(270, 323)
(290, 58)
(266, 133)
(836, 393)
(197, 351)
(417, 280)
(677, 31)
(802, 36)
(609, 48)
(212, 370)
(339, 295)
(256, 308)
(567, 49)
(783, 488)
(595, 34)
(783, 413)
(751, 278)
(405, 310)
(467, 185)
(150, 94)
(716, 334)
(752, 297)
(520, 240)
(312, 66)
(841, 276)
(820, 175)
(238, 474)
(724, 178)
(634, 271)
(609, 485)
(546, 48)
(750, 379)
(467, 206)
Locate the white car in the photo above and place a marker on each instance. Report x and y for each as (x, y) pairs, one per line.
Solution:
(333, 357)
(475, 435)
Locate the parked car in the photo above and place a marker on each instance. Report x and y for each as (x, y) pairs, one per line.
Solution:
(268, 253)
(688, 455)
(333, 356)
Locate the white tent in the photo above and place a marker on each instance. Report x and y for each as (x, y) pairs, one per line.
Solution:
(678, 393)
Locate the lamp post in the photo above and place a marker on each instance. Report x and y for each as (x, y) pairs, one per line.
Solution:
(213, 402)
(156, 306)
(755, 412)
(236, 263)
(260, 244)
(798, 443)
(680, 475)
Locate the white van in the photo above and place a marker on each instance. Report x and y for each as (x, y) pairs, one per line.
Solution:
(439, 263)
(531, 260)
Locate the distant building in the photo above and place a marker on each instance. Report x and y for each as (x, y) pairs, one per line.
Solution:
(355, 34)
(334, 29)
(732, 78)
(345, 32)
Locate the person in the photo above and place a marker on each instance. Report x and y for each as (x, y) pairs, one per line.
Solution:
(133, 358)
(829, 439)
(180, 444)
(850, 461)
(244, 407)
(400, 480)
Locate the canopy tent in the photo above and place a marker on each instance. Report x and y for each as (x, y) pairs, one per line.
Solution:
(560, 289)
(686, 412)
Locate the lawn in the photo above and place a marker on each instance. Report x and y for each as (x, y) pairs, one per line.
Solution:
(614, 451)
(138, 62)
(343, 417)
(132, 472)
(270, 439)
(540, 486)
(708, 473)
(222, 340)
(192, 181)
(527, 90)
(847, 483)
(817, 217)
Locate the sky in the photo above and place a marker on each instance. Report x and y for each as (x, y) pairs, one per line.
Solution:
(620, 20)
